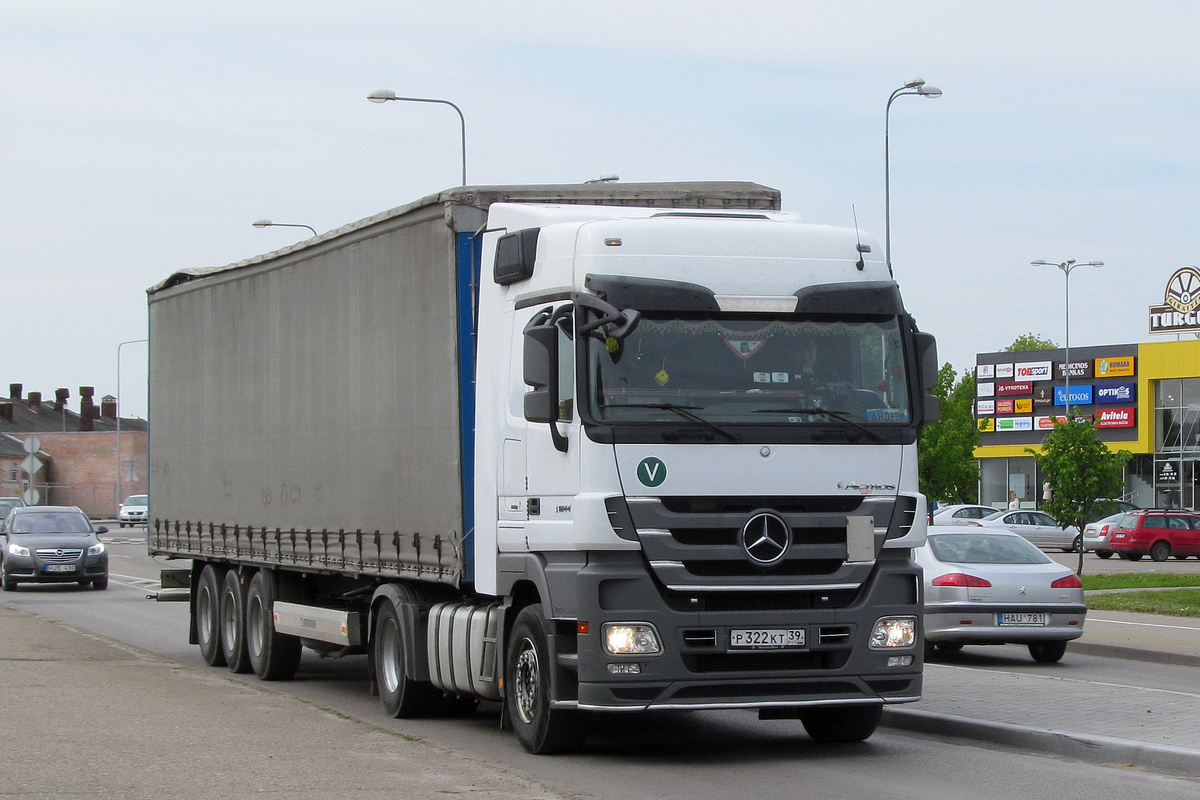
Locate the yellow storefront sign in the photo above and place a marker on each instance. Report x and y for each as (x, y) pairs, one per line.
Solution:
(1110, 367)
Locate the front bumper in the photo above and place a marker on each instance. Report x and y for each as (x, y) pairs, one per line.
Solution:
(34, 569)
(698, 669)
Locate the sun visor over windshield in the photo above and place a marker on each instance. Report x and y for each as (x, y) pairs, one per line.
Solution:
(651, 294)
(868, 297)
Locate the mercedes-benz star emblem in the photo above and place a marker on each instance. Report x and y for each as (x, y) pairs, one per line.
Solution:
(766, 538)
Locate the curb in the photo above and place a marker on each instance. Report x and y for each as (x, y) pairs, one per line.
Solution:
(1084, 747)
(1134, 654)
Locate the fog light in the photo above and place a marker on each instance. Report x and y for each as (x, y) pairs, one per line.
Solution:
(900, 661)
(894, 632)
(631, 639)
(625, 669)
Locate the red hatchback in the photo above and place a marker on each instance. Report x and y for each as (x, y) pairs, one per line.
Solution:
(1155, 532)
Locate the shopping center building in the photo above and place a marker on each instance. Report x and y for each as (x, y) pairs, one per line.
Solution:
(1144, 398)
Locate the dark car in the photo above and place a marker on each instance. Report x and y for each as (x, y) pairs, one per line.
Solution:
(1158, 533)
(51, 544)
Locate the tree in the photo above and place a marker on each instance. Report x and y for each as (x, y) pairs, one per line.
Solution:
(1081, 471)
(946, 452)
(1030, 341)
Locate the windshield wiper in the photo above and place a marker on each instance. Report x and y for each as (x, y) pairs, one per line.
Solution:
(683, 411)
(840, 416)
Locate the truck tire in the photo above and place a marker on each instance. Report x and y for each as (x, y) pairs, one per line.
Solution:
(233, 622)
(273, 656)
(541, 728)
(208, 615)
(401, 696)
(841, 724)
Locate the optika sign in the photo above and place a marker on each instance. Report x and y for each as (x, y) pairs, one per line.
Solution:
(1115, 418)
(1180, 303)
(1033, 371)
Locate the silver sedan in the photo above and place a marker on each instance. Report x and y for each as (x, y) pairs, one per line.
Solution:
(994, 587)
(1036, 526)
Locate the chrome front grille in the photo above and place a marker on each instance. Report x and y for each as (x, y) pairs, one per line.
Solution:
(60, 555)
(695, 544)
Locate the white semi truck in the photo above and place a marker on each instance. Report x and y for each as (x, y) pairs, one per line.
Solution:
(575, 449)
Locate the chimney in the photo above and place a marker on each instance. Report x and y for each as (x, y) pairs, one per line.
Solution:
(60, 399)
(108, 407)
(87, 408)
(6, 412)
(14, 391)
(35, 401)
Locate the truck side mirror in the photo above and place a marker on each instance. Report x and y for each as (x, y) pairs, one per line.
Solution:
(541, 367)
(926, 347)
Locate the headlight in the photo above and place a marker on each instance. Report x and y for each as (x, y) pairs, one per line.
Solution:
(631, 639)
(894, 632)
(96, 549)
(17, 550)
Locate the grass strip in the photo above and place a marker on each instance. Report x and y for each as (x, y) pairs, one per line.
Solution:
(1170, 602)
(1139, 580)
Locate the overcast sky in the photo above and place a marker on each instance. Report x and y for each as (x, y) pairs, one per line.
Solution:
(139, 138)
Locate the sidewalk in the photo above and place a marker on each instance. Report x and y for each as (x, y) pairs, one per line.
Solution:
(86, 717)
(1054, 713)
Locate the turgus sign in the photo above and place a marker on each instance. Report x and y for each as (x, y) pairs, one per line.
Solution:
(1180, 311)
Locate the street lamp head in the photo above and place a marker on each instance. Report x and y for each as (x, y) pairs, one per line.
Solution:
(262, 223)
(913, 83)
(929, 91)
(381, 95)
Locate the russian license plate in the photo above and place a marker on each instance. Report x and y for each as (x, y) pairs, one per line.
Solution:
(1020, 619)
(60, 568)
(766, 638)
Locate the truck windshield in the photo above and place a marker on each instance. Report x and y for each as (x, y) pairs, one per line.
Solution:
(731, 370)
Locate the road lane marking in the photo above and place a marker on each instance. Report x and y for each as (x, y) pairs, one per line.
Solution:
(1193, 628)
(1081, 681)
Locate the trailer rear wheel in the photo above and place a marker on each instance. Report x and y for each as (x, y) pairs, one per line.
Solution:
(541, 728)
(402, 697)
(273, 656)
(233, 622)
(841, 724)
(208, 615)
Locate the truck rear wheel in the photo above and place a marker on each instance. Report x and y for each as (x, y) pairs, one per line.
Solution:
(401, 696)
(841, 724)
(273, 656)
(233, 622)
(541, 728)
(208, 615)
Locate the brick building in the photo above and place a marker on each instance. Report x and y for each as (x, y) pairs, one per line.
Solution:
(78, 450)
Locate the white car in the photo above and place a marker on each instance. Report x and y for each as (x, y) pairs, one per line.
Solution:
(960, 513)
(1038, 527)
(134, 511)
(988, 586)
(1095, 535)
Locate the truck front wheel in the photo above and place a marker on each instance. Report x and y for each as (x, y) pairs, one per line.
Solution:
(273, 656)
(841, 724)
(541, 728)
(208, 616)
(402, 697)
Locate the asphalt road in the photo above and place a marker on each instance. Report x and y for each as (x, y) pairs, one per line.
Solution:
(676, 756)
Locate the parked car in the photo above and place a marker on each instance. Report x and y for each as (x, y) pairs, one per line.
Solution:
(134, 511)
(1159, 533)
(987, 586)
(51, 544)
(1108, 506)
(8, 504)
(1095, 535)
(958, 513)
(1038, 527)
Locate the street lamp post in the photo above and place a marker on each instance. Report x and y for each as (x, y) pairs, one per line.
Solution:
(384, 95)
(912, 86)
(1066, 267)
(119, 346)
(266, 223)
